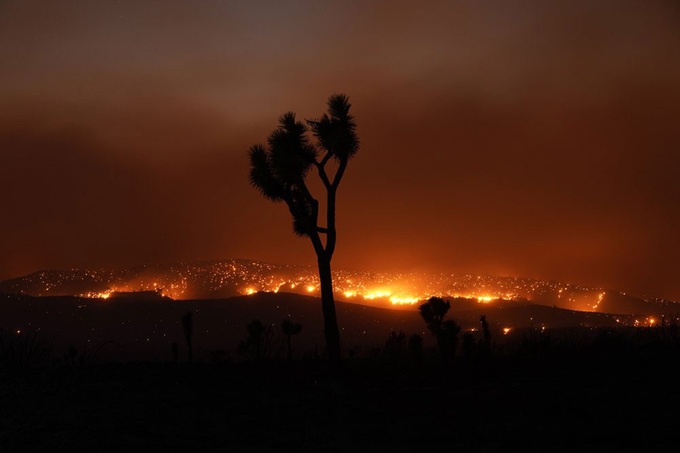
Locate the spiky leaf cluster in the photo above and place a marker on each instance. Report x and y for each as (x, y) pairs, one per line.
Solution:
(279, 169)
(433, 312)
(290, 153)
(336, 130)
(300, 206)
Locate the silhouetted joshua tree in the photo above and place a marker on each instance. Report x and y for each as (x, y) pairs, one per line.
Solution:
(279, 172)
(433, 312)
(188, 328)
(260, 342)
(289, 329)
(446, 332)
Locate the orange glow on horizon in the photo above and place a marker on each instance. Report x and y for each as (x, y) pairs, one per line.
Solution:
(484, 299)
(395, 298)
(352, 289)
(395, 290)
(101, 295)
(404, 300)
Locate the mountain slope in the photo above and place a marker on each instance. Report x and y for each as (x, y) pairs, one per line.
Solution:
(230, 278)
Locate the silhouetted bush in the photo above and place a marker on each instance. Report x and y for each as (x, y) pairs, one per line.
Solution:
(260, 343)
(445, 332)
(23, 349)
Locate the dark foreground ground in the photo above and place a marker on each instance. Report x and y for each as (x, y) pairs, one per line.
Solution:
(579, 400)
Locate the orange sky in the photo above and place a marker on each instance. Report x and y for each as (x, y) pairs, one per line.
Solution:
(527, 139)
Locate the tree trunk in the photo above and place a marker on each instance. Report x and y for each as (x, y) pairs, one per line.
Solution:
(330, 319)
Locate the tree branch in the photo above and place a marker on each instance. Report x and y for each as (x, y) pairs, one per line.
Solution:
(339, 174)
(321, 167)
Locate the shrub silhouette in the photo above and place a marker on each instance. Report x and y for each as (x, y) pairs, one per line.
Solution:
(433, 312)
(23, 349)
(289, 329)
(260, 343)
(445, 332)
(279, 172)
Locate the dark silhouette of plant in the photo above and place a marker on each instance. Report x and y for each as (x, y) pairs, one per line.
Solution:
(289, 329)
(188, 328)
(445, 332)
(433, 312)
(279, 172)
(23, 349)
(260, 342)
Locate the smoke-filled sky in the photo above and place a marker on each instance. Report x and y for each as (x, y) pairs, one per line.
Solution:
(536, 139)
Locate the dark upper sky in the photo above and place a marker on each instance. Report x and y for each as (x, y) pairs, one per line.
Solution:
(527, 138)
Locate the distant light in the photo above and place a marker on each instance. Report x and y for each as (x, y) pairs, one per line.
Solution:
(485, 299)
(377, 294)
(403, 300)
(506, 330)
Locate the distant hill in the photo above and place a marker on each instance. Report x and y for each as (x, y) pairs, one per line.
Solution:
(230, 278)
(144, 328)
